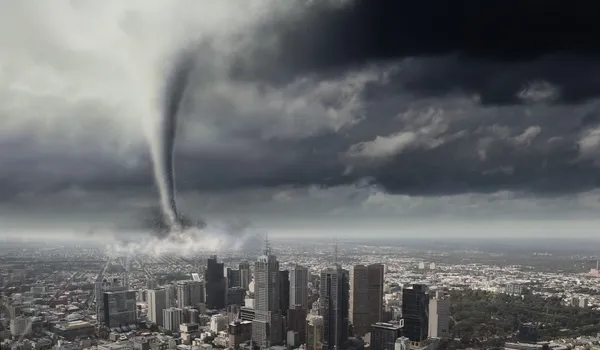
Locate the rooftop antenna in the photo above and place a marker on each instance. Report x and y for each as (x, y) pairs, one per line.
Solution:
(335, 251)
(267, 245)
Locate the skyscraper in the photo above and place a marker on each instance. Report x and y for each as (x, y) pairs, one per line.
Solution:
(334, 305)
(299, 287)
(245, 274)
(415, 310)
(233, 278)
(172, 318)
(189, 293)
(170, 291)
(119, 308)
(216, 284)
(314, 332)
(384, 335)
(157, 302)
(296, 322)
(284, 291)
(359, 300)
(439, 315)
(376, 305)
(267, 327)
(366, 297)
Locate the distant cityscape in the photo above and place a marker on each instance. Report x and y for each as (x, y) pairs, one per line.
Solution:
(321, 296)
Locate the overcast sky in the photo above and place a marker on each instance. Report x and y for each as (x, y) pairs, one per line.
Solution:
(339, 118)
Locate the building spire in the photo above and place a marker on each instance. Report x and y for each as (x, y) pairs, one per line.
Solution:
(335, 251)
(267, 250)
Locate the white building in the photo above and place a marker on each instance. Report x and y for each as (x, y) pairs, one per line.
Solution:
(157, 302)
(172, 318)
(439, 315)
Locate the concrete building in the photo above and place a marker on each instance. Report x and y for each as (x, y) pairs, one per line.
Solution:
(384, 335)
(189, 293)
(267, 326)
(172, 318)
(299, 287)
(415, 310)
(439, 315)
(120, 308)
(215, 284)
(358, 313)
(334, 306)
(314, 332)
(157, 302)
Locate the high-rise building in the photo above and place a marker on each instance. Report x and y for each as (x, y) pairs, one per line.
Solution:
(233, 278)
(314, 332)
(172, 318)
(384, 335)
(296, 322)
(439, 315)
(236, 296)
(299, 287)
(358, 314)
(239, 332)
(366, 297)
(119, 309)
(284, 291)
(245, 275)
(189, 293)
(170, 292)
(20, 326)
(376, 272)
(216, 284)
(267, 327)
(334, 305)
(157, 302)
(415, 309)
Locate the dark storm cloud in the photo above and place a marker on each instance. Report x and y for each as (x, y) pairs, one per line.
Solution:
(510, 55)
(445, 97)
(498, 45)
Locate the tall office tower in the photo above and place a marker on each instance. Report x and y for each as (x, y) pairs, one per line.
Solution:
(296, 322)
(358, 314)
(215, 284)
(236, 296)
(384, 335)
(376, 272)
(415, 309)
(172, 318)
(157, 302)
(439, 315)
(233, 278)
(299, 287)
(119, 309)
(245, 275)
(314, 332)
(98, 292)
(334, 305)
(189, 293)
(267, 326)
(170, 292)
(284, 291)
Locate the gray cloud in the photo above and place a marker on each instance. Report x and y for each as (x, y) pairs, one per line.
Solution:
(75, 101)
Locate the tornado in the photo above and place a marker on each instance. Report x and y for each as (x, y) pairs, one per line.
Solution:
(173, 94)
